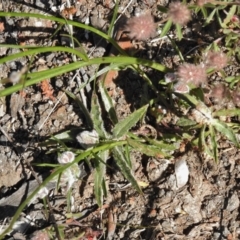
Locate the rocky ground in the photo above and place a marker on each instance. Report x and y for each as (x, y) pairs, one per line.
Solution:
(206, 207)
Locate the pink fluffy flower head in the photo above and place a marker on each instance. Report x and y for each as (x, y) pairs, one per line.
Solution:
(236, 97)
(217, 60)
(141, 27)
(179, 13)
(219, 92)
(190, 73)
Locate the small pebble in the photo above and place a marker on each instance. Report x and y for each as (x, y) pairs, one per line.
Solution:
(59, 83)
(56, 123)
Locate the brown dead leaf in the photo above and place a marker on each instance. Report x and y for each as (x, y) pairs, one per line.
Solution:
(68, 11)
(112, 222)
(2, 27)
(109, 79)
(47, 90)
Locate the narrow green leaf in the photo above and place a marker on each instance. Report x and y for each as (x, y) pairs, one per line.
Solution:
(229, 16)
(202, 142)
(225, 130)
(111, 27)
(119, 157)
(227, 112)
(79, 48)
(125, 125)
(148, 150)
(192, 99)
(96, 115)
(127, 154)
(83, 108)
(198, 93)
(176, 46)
(185, 122)
(214, 143)
(37, 77)
(116, 66)
(108, 103)
(65, 21)
(179, 32)
(100, 173)
(204, 12)
(69, 194)
(166, 28)
(33, 50)
(231, 78)
(66, 136)
(163, 146)
(210, 17)
(218, 17)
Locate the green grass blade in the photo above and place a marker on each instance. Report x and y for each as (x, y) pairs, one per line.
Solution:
(166, 28)
(179, 32)
(121, 161)
(163, 145)
(99, 175)
(96, 115)
(148, 150)
(225, 130)
(125, 125)
(83, 108)
(185, 122)
(116, 66)
(108, 103)
(202, 141)
(227, 112)
(37, 50)
(176, 46)
(80, 47)
(214, 143)
(229, 16)
(64, 21)
(204, 12)
(111, 27)
(210, 17)
(127, 155)
(39, 76)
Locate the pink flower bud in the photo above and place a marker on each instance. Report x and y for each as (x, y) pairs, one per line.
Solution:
(141, 27)
(179, 13)
(190, 73)
(217, 60)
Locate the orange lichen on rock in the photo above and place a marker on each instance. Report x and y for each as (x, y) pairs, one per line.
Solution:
(47, 90)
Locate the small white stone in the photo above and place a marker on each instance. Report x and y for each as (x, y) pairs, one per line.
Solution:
(182, 173)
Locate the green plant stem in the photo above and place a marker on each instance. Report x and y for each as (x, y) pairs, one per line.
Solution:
(39, 76)
(64, 21)
(36, 50)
